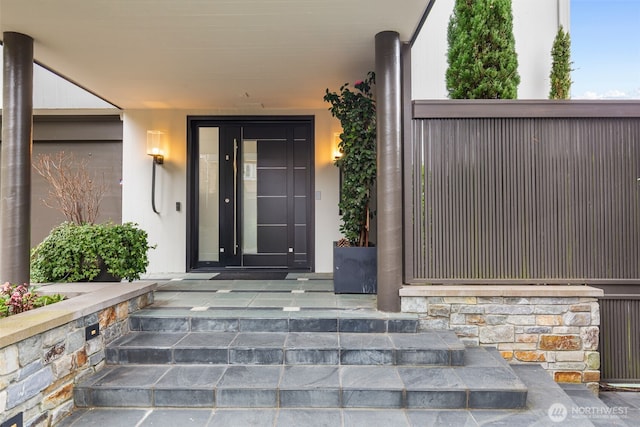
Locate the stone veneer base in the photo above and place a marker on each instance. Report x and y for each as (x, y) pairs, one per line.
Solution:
(44, 352)
(555, 326)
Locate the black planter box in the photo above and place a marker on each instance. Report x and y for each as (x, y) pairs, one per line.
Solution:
(355, 270)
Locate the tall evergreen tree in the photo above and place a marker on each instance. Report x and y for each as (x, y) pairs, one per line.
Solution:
(483, 63)
(560, 76)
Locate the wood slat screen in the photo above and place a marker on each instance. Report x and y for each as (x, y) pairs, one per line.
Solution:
(620, 338)
(541, 199)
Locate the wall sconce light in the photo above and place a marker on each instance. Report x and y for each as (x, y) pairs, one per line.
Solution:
(337, 153)
(155, 145)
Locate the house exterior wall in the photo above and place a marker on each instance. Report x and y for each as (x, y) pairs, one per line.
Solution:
(540, 18)
(94, 139)
(53, 92)
(168, 229)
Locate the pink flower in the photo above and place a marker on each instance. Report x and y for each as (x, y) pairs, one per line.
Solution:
(359, 82)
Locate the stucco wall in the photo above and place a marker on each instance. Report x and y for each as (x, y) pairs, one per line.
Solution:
(535, 24)
(53, 92)
(168, 230)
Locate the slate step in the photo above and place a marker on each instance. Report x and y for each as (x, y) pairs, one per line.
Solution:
(275, 320)
(440, 348)
(485, 382)
(542, 394)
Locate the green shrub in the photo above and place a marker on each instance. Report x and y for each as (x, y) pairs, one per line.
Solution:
(73, 252)
(43, 300)
(482, 58)
(560, 76)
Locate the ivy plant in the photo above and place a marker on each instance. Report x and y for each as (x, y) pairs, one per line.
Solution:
(356, 110)
(78, 252)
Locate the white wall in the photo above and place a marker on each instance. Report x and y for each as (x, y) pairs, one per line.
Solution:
(168, 230)
(51, 91)
(535, 24)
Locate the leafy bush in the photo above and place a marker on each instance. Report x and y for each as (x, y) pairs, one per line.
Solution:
(16, 299)
(78, 252)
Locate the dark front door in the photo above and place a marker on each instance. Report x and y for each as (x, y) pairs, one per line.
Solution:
(250, 182)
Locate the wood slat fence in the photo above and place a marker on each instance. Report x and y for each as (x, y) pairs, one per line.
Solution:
(536, 192)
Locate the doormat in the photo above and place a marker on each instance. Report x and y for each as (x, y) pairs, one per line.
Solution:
(251, 275)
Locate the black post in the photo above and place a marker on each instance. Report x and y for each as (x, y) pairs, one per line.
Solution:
(389, 180)
(15, 169)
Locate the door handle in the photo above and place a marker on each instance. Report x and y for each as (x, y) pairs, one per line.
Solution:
(235, 196)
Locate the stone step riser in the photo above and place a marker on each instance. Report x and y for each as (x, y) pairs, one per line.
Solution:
(200, 361)
(485, 381)
(271, 356)
(440, 348)
(301, 398)
(293, 324)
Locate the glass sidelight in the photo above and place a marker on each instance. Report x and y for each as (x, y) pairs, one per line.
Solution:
(250, 197)
(209, 194)
(219, 171)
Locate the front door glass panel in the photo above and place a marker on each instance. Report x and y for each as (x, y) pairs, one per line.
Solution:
(209, 194)
(249, 196)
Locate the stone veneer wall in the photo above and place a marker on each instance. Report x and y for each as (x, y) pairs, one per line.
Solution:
(558, 332)
(37, 374)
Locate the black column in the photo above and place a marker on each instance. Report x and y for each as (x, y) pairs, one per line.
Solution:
(15, 170)
(389, 180)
